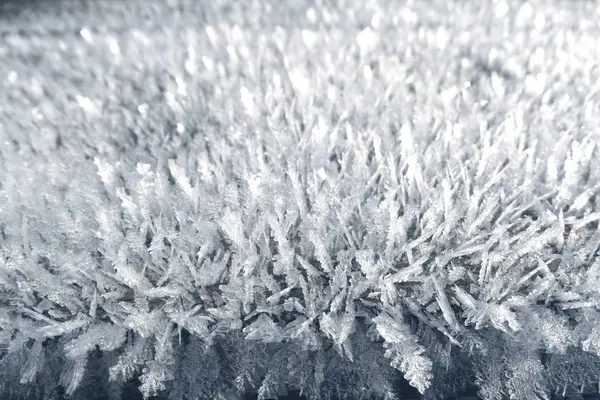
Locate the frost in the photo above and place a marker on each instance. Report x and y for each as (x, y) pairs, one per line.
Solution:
(58, 329)
(263, 329)
(366, 259)
(338, 327)
(34, 362)
(403, 348)
(300, 198)
(526, 378)
(181, 178)
(105, 336)
(72, 374)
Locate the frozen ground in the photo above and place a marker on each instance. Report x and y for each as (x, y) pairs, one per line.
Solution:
(295, 195)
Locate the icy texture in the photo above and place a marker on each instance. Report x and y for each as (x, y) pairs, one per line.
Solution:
(322, 196)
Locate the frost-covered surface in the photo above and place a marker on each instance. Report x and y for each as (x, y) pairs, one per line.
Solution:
(321, 196)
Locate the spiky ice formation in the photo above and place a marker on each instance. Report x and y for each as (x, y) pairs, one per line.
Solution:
(322, 196)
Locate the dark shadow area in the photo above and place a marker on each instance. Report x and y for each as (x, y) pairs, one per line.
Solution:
(131, 391)
(291, 396)
(469, 393)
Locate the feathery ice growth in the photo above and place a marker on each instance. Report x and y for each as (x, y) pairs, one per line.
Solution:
(319, 196)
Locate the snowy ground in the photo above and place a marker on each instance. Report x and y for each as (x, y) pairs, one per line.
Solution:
(422, 171)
